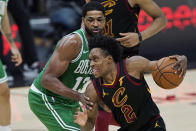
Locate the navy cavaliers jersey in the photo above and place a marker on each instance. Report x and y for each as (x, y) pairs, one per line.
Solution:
(121, 18)
(129, 100)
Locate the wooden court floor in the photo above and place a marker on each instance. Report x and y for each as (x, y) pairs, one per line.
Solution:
(177, 106)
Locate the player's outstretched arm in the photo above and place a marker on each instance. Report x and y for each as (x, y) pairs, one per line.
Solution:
(138, 64)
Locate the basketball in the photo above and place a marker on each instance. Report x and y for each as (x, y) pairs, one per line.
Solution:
(164, 75)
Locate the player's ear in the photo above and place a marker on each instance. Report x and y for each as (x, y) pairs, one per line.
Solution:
(82, 19)
(110, 59)
(104, 19)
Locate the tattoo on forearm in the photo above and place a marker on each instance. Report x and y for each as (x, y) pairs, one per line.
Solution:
(9, 38)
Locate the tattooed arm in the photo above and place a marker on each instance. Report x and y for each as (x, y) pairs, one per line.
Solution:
(5, 29)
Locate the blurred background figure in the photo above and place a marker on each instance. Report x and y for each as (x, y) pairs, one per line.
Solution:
(5, 109)
(65, 16)
(21, 17)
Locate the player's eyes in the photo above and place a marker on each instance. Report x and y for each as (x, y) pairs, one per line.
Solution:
(95, 59)
(100, 20)
(90, 20)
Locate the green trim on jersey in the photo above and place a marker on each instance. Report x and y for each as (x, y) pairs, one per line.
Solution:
(3, 75)
(4, 0)
(77, 74)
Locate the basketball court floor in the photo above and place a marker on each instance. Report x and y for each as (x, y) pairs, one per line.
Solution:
(177, 106)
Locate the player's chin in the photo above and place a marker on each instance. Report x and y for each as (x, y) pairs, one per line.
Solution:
(96, 75)
(96, 33)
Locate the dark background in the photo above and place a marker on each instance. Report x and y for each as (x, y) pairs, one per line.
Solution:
(179, 36)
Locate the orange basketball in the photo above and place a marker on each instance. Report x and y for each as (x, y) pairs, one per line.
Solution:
(164, 75)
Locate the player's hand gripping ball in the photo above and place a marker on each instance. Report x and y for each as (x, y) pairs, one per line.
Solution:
(164, 74)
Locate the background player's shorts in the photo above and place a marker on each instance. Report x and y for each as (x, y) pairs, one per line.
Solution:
(3, 75)
(55, 115)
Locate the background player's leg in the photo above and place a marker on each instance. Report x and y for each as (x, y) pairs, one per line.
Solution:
(111, 120)
(101, 121)
(104, 119)
(5, 111)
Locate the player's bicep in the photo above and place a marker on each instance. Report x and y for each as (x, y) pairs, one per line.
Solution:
(65, 52)
(150, 67)
(140, 64)
(56, 65)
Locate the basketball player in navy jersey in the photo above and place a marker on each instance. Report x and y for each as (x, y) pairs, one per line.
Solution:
(122, 23)
(119, 85)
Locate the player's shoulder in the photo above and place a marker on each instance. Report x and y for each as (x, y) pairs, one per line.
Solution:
(135, 62)
(72, 40)
(141, 1)
(135, 59)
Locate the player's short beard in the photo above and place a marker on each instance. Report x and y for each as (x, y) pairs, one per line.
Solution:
(90, 32)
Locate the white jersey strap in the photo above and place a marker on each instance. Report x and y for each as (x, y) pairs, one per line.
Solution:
(3, 5)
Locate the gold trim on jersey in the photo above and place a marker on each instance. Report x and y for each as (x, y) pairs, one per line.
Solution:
(109, 84)
(104, 93)
(121, 80)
